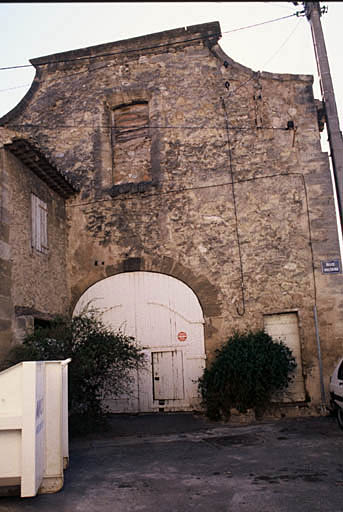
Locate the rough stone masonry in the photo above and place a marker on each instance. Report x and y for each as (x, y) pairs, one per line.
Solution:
(192, 165)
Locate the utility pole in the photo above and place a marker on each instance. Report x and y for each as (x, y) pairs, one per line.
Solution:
(313, 13)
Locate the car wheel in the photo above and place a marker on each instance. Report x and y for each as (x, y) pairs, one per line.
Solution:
(333, 407)
(340, 417)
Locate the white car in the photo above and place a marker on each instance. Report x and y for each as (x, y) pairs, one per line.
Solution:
(336, 392)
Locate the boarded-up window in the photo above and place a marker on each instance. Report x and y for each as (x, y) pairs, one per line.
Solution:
(39, 213)
(131, 143)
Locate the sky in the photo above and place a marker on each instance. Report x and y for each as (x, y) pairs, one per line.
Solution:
(30, 30)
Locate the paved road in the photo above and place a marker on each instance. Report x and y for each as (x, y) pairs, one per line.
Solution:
(181, 463)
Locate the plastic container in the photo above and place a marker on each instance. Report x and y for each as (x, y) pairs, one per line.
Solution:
(34, 426)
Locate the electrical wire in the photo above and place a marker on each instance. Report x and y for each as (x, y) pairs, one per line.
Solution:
(222, 184)
(164, 45)
(113, 54)
(157, 127)
(67, 75)
(144, 195)
(283, 44)
(226, 117)
(114, 64)
(257, 73)
(262, 23)
(228, 129)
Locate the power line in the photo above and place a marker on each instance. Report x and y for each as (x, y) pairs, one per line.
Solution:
(108, 65)
(229, 145)
(255, 74)
(203, 187)
(283, 44)
(155, 127)
(181, 190)
(262, 23)
(225, 32)
(110, 54)
(123, 52)
(67, 75)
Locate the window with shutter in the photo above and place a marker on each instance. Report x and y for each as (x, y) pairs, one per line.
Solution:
(131, 143)
(39, 213)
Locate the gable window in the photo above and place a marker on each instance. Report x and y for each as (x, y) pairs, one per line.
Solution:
(131, 143)
(39, 215)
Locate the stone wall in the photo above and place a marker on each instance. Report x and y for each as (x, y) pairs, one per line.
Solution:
(33, 283)
(6, 305)
(237, 202)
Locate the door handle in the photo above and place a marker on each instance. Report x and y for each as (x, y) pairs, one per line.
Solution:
(157, 378)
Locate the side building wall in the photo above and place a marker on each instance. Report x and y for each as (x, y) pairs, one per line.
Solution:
(33, 283)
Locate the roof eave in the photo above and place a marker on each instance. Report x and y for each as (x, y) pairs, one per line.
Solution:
(38, 163)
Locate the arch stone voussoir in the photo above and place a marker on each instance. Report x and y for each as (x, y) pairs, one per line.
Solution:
(206, 292)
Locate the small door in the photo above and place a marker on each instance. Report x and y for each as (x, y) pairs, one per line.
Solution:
(167, 374)
(284, 327)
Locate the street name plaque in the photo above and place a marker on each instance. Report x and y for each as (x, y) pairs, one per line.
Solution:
(331, 267)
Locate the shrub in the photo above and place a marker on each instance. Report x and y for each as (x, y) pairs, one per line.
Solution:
(101, 366)
(247, 371)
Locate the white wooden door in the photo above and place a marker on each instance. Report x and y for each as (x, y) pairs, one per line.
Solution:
(284, 327)
(165, 317)
(167, 372)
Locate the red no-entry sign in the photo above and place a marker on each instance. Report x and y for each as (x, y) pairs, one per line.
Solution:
(182, 336)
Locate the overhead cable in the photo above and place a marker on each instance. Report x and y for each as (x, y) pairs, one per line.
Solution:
(122, 52)
(50, 126)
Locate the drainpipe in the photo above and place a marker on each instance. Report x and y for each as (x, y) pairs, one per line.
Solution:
(322, 389)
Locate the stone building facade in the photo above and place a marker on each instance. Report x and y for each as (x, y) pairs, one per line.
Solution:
(189, 165)
(33, 239)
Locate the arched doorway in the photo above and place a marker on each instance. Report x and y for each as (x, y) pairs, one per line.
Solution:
(165, 317)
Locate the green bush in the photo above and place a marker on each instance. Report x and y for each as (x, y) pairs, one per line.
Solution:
(246, 373)
(101, 363)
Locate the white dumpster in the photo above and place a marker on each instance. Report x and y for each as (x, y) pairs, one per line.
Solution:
(34, 426)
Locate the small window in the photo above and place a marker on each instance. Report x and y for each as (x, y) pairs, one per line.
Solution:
(39, 212)
(131, 143)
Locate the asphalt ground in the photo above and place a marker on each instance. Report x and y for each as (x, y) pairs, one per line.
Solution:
(182, 462)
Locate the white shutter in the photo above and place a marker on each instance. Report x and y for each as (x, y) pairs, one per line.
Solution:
(43, 218)
(34, 200)
(39, 213)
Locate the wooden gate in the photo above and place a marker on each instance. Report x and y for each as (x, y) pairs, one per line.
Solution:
(165, 317)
